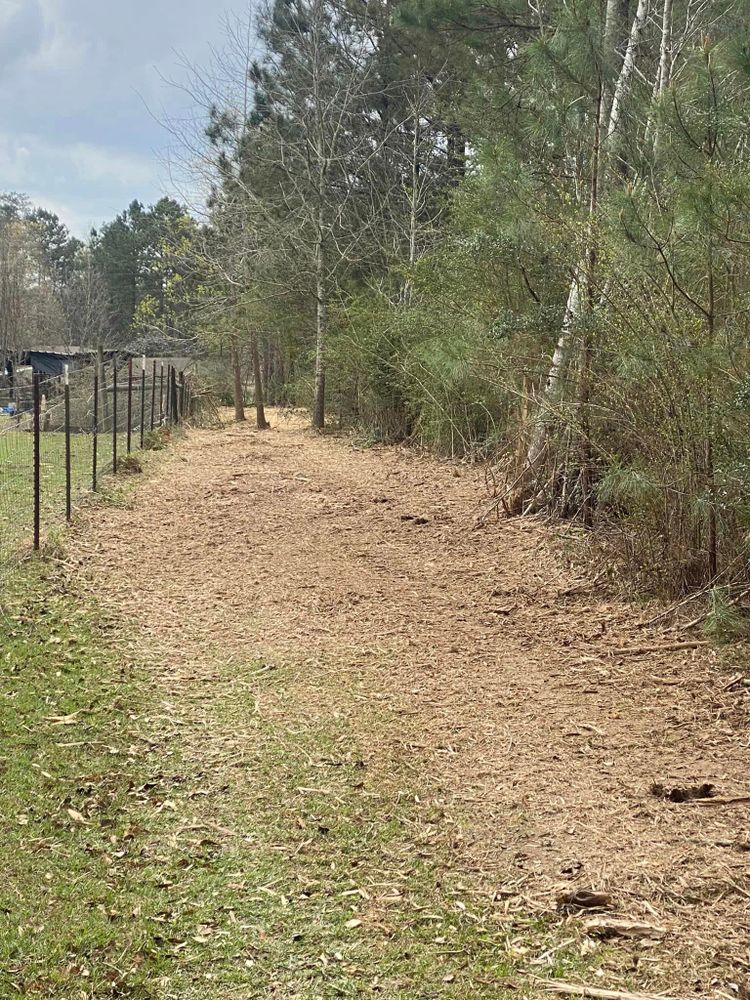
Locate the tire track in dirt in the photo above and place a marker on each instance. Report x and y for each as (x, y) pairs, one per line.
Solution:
(286, 543)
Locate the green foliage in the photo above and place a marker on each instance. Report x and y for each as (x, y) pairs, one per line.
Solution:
(142, 258)
(544, 262)
(724, 623)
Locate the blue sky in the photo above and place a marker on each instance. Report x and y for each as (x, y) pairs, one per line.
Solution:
(83, 97)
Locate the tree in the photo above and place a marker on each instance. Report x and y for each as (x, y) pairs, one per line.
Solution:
(126, 253)
(86, 305)
(59, 251)
(307, 157)
(15, 247)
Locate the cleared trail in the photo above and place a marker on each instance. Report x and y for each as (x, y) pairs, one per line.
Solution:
(527, 697)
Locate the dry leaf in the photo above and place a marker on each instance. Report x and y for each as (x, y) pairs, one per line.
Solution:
(77, 817)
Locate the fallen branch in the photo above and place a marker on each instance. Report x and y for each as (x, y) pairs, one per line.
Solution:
(737, 679)
(217, 827)
(670, 647)
(607, 927)
(573, 990)
(715, 801)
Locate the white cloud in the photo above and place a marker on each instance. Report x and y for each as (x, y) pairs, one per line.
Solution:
(78, 221)
(87, 161)
(83, 183)
(64, 46)
(21, 32)
(77, 80)
(95, 163)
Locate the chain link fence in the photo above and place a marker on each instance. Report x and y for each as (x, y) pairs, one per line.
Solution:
(61, 436)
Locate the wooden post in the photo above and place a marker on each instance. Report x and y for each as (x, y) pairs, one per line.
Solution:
(182, 396)
(174, 404)
(153, 394)
(143, 399)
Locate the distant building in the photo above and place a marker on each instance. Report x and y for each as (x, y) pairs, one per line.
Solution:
(50, 361)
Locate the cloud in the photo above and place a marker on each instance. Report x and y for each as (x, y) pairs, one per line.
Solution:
(89, 162)
(77, 80)
(64, 46)
(95, 163)
(83, 182)
(22, 31)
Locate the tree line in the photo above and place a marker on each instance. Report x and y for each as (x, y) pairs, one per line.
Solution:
(123, 288)
(514, 229)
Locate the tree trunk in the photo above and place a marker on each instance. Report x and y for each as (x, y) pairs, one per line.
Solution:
(713, 535)
(260, 412)
(664, 76)
(239, 396)
(628, 66)
(413, 205)
(319, 402)
(456, 155)
(611, 22)
(553, 385)
(573, 309)
(664, 72)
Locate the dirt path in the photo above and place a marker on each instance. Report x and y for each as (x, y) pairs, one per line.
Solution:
(545, 736)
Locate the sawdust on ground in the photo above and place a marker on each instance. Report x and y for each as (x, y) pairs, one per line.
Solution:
(532, 703)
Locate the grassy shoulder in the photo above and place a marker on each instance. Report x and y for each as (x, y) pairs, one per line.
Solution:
(247, 840)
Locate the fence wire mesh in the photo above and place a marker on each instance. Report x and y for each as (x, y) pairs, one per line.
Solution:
(83, 426)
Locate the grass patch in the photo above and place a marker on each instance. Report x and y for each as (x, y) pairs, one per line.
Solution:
(16, 479)
(256, 836)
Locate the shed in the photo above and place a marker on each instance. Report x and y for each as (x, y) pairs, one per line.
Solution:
(50, 361)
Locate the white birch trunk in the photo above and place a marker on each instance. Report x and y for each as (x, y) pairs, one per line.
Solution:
(663, 75)
(665, 50)
(610, 25)
(552, 385)
(628, 66)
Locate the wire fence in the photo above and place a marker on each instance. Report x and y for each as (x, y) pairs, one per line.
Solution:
(61, 436)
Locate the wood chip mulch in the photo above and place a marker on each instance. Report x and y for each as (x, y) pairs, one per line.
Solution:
(542, 708)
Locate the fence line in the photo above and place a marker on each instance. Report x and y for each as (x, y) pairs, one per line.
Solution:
(60, 435)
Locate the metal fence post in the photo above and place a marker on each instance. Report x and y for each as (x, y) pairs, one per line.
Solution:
(153, 393)
(103, 381)
(37, 459)
(143, 399)
(95, 429)
(182, 396)
(68, 489)
(130, 402)
(114, 417)
(173, 396)
(161, 395)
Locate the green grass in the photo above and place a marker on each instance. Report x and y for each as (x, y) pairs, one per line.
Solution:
(250, 837)
(16, 480)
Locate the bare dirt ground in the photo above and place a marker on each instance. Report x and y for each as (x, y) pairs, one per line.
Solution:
(536, 704)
